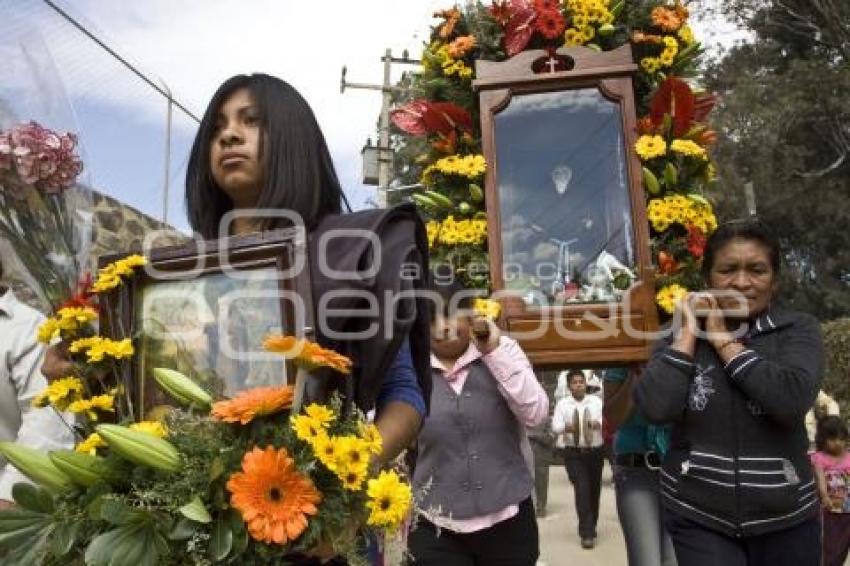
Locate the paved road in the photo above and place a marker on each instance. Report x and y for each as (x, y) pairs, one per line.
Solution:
(559, 542)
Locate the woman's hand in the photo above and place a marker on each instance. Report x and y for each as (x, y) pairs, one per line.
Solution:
(57, 362)
(484, 334)
(686, 332)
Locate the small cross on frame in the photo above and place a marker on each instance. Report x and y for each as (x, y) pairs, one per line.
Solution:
(552, 63)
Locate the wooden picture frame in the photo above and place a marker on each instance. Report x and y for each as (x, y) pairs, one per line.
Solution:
(626, 323)
(185, 309)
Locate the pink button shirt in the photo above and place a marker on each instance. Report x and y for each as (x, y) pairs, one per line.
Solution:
(526, 398)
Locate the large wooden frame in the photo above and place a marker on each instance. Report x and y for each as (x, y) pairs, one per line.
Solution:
(611, 73)
(283, 251)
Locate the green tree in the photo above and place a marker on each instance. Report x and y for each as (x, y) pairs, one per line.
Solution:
(784, 124)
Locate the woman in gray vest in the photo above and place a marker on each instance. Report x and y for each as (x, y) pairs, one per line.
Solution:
(474, 459)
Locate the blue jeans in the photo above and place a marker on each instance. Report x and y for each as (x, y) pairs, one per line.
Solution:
(639, 510)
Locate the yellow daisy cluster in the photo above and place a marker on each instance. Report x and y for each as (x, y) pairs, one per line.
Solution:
(66, 319)
(668, 297)
(668, 56)
(585, 17)
(390, 500)
(91, 444)
(110, 276)
(155, 428)
(451, 232)
(90, 407)
(60, 393)
(688, 148)
(97, 348)
(469, 166)
(346, 456)
(448, 64)
(686, 35)
(679, 209)
(650, 147)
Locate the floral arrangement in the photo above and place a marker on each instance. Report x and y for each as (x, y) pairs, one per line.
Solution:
(443, 138)
(37, 167)
(246, 480)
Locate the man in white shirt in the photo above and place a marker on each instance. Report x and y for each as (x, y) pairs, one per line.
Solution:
(578, 423)
(20, 381)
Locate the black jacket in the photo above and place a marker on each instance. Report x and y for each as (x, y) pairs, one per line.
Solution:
(738, 457)
(400, 271)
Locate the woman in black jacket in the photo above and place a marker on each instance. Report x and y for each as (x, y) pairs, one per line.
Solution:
(736, 377)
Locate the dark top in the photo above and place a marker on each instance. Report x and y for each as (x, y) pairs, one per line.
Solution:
(737, 461)
(370, 303)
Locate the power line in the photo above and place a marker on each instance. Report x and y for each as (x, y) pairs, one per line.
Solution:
(133, 69)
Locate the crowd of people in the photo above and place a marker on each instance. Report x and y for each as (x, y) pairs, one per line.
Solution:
(711, 455)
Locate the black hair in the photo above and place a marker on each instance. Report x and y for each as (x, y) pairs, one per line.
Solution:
(446, 285)
(298, 174)
(831, 427)
(573, 372)
(745, 229)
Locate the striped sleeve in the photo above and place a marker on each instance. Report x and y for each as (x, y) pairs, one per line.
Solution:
(738, 366)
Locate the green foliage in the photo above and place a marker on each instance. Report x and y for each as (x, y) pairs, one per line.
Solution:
(784, 120)
(836, 381)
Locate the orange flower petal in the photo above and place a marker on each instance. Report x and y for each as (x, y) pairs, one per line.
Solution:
(253, 403)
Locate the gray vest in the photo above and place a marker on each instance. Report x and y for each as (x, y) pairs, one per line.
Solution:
(469, 450)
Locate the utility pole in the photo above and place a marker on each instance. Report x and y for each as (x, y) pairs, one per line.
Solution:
(387, 90)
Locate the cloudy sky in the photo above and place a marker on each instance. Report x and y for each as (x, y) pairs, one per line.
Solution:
(51, 72)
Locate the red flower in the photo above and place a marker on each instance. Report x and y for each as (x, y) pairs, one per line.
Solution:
(501, 12)
(550, 23)
(667, 264)
(82, 295)
(546, 6)
(446, 144)
(696, 241)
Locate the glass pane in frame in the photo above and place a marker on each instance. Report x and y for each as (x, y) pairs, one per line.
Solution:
(567, 234)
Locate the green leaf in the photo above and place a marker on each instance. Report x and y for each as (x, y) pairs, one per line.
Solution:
(196, 511)
(216, 469)
(64, 537)
(116, 512)
(135, 544)
(240, 532)
(221, 539)
(183, 529)
(33, 498)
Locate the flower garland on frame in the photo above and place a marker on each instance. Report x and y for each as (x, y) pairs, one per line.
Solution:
(444, 138)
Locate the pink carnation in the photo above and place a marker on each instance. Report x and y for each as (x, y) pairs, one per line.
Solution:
(41, 157)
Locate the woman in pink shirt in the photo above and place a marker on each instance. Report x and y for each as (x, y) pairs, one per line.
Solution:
(474, 460)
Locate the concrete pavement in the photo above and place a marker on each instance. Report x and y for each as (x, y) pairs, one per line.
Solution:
(559, 542)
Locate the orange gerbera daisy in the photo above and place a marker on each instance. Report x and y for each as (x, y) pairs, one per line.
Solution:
(307, 354)
(253, 403)
(273, 498)
(461, 46)
(666, 19)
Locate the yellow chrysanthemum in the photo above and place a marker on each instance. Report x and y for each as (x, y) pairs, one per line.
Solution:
(306, 428)
(48, 330)
(110, 276)
(60, 393)
(686, 34)
(487, 308)
(90, 407)
(668, 297)
(97, 348)
(573, 37)
(352, 453)
(322, 414)
(689, 148)
(372, 436)
(390, 500)
(325, 448)
(650, 147)
(650, 64)
(667, 58)
(91, 444)
(352, 479)
(151, 427)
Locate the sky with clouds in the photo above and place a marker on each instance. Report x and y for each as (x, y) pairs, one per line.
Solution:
(51, 72)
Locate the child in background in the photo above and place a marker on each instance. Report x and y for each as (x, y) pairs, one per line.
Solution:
(832, 473)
